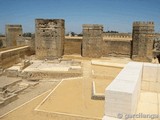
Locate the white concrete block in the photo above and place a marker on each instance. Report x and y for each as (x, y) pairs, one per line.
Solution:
(122, 95)
(119, 85)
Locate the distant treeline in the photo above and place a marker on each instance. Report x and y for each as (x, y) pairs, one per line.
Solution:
(111, 31)
(2, 35)
(28, 34)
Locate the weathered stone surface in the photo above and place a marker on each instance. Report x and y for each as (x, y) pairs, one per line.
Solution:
(2, 41)
(72, 45)
(49, 38)
(30, 41)
(143, 38)
(92, 40)
(11, 56)
(117, 48)
(117, 35)
(13, 33)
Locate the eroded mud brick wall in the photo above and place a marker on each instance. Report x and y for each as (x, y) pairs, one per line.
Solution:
(49, 38)
(13, 56)
(72, 45)
(143, 39)
(13, 33)
(117, 48)
(92, 40)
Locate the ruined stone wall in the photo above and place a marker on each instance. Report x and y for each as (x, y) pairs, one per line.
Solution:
(20, 41)
(49, 38)
(72, 45)
(13, 32)
(92, 40)
(30, 41)
(117, 48)
(143, 39)
(12, 56)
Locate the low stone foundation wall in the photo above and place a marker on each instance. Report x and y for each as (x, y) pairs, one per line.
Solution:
(57, 75)
(12, 56)
(96, 96)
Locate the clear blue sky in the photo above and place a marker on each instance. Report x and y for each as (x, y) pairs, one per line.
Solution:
(113, 14)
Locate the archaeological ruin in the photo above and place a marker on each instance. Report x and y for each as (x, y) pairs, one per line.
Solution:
(143, 39)
(92, 41)
(96, 76)
(12, 34)
(49, 38)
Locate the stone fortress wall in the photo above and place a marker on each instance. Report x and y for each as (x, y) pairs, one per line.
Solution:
(143, 40)
(50, 42)
(92, 40)
(49, 38)
(117, 35)
(13, 32)
(117, 48)
(72, 45)
(120, 41)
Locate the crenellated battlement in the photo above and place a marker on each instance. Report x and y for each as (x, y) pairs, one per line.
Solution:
(117, 35)
(142, 23)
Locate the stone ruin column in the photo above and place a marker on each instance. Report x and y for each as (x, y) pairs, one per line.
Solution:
(49, 38)
(92, 40)
(13, 34)
(143, 40)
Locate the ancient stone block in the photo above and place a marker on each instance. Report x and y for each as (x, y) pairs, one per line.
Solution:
(49, 38)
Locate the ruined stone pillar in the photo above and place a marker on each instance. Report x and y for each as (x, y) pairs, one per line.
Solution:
(49, 38)
(143, 39)
(13, 34)
(92, 40)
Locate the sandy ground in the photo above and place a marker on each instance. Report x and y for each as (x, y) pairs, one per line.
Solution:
(29, 94)
(103, 76)
(72, 96)
(26, 112)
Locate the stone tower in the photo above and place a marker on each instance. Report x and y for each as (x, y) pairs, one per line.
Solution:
(92, 40)
(13, 33)
(49, 38)
(143, 39)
